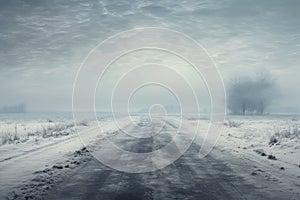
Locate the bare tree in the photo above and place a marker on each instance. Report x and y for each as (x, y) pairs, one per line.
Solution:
(251, 94)
(266, 88)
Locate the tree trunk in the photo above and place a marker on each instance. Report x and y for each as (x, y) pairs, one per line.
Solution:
(244, 109)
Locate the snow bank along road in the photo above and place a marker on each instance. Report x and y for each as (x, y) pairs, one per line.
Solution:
(217, 176)
(19, 166)
(63, 169)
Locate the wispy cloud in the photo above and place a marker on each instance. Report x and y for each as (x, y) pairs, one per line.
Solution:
(42, 43)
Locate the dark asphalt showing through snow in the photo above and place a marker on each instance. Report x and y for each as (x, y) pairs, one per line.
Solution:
(187, 178)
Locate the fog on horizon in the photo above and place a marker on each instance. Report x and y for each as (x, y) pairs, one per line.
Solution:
(43, 44)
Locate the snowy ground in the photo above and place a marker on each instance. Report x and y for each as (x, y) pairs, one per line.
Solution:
(269, 147)
(263, 136)
(275, 140)
(21, 160)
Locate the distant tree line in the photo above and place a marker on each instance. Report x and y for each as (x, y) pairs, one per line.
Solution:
(20, 108)
(251, 95)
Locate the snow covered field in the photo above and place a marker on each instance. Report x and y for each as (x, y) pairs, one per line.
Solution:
(47, 149)
(267, 146)
(36, 144)
(273, 138)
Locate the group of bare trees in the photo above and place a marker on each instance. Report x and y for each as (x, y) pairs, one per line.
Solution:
(251, 95)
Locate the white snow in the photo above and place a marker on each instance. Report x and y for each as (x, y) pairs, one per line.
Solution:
(242, 141)
(255, 134)
(19, 160)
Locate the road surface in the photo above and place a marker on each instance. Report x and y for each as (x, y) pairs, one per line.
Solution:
(187, 178)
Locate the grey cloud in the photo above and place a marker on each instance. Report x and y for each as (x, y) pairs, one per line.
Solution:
(43, 42)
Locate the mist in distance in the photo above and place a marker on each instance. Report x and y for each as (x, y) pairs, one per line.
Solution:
(43, 44)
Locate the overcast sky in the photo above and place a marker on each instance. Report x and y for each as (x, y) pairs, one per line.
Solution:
(42, 43)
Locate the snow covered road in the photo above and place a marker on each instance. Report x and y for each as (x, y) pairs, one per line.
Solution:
(217, 176)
